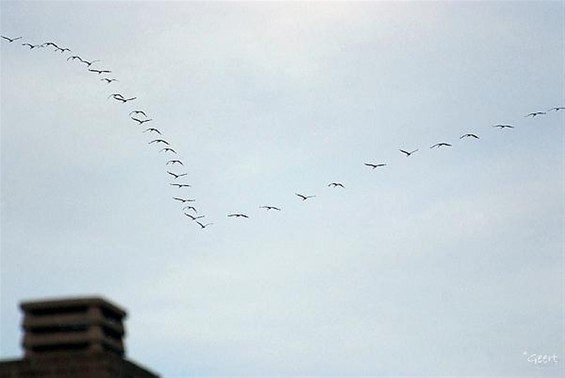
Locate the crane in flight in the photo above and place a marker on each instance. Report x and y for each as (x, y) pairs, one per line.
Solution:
(304, 198)
(408, 153)
(336, 184)
(177, 175)
(373, 165)
(270, 208)
(469, 135)
(442, 144)
(10, 40)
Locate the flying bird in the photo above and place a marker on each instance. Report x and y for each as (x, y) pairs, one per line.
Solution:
(10, 40)
(304, 198)
(204, 225)
(159, 141)
(181, 185)
(469, 135)
(183, 200)
(194, 217)
(73, 57)
(238, 215)
(336, 184)
(558, 108)
(167, 149)
(173, 162)
(190, 208)
(62, 49)
(116, 95)
(99, 72)
(504, 126)
(177, 175)
(152, 129)
(50, 44)
(108, 80)
(137, 112)
(270, 208)
(31, 47)
(408, 153)
(89, 63)
(372, 165)
(534, 114)
(124, 100)
(442, 144)
(141, 121)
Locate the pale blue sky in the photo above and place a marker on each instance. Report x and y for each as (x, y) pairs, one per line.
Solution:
(446, 263)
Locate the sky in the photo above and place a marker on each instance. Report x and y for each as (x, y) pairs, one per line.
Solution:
(449, 262)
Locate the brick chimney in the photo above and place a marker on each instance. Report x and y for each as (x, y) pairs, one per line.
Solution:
(72, 325)
(74, 337)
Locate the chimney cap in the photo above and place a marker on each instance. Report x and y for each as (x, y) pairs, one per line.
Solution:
(91, 301)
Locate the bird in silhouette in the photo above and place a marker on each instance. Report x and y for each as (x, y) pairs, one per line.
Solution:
(108, 80)
(73, 57)
(469, 135)
(167, 149)
(534, 114)
(304, 198)
(194, 217)
(181, 185)
(372, 165)
(10, 40)
(408, 153)
(504, 126)
(50, 44)
(336, 184)
(159, 141)
(203, 225)
(173, 162)
(558, 108)
(270, 208)
(190, 208)
(99, 72)
(177, 175)
(62, 49)
(89, 63)
(137, 112)
(237, 215)
(183, 200)
(124, 100)
(152, 130)
(141, 121)
(442, 144)
(31, 47)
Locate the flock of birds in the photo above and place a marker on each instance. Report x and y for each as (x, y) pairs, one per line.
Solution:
(189, 210)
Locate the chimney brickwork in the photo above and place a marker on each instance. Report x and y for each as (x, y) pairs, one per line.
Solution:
(77, 337)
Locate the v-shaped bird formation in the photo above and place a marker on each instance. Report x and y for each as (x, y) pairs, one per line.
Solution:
(175, 165)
